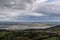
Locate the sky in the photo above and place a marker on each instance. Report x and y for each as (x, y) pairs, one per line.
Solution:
(30, 10)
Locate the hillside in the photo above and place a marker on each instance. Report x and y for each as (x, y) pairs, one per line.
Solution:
(54, 28)
(29, 34)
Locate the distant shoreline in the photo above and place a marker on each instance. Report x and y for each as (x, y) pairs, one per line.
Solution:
(27, 28)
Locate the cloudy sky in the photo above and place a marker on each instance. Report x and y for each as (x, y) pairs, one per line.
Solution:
(30, 10)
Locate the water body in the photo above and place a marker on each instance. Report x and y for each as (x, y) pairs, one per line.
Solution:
(18, 27)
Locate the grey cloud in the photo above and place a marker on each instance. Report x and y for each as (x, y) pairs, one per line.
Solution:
(45, 11)
(49, 9)
(15, 4)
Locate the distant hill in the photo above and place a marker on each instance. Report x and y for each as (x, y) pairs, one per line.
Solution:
(50, 23)
(54, 28)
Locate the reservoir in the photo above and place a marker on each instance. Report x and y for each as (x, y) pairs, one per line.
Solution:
(22, 27)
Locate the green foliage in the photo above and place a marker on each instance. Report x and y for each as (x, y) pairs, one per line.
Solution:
(52, 38)
(28, 35)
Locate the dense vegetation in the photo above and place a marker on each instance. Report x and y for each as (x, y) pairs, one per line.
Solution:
(28, 35)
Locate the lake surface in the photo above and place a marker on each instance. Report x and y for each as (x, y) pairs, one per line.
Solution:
(19, 27)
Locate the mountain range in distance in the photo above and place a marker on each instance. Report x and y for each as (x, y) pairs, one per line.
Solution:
(50, 23)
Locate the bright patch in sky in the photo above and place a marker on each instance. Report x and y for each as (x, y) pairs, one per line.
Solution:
(30, 10)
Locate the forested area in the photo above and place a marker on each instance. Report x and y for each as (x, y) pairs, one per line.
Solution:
(28, 35)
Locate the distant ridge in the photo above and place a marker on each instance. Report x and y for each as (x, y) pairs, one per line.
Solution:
(7, 22)
(57, 27)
